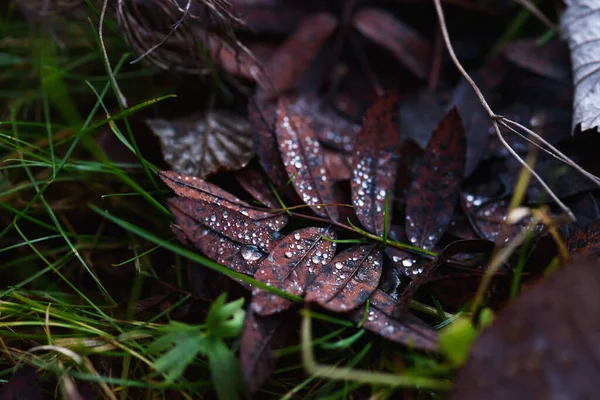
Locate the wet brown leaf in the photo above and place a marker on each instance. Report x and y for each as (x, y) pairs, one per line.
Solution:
(303, 160)
(227, 222)
(544, 345)
(348, 280)
(331, 128)
(263, 115)
(375, 163)
(585, 242)
(203, 145)
(434, 192)
(407, 330)
(239, 257)
(292, 266)
(405, 44)
(460, 246)
(191, 187)
(296, 54)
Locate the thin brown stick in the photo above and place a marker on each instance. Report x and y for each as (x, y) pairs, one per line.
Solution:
(495, 118)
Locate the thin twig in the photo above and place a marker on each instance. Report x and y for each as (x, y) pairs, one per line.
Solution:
(504, 121)
(111, 76)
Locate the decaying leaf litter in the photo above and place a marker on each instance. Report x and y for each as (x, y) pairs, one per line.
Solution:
(335, 156)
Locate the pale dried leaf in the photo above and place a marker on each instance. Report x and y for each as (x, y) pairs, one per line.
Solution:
(581, 27)
(202, 146)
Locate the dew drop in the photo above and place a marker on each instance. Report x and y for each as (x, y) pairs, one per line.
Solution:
(339, 265)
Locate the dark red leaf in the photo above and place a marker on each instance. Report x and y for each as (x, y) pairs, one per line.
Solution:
(337, 165)
(203, 145)
(487, 216)
(585, 241)
(348, 280)
(375, 163)
(303, 160)
(190, 187)
(259, 337)
(292, 266)
(408, 263)
(294, 57)
(263, 114)
(544, 345)
(407, 330)
(256, 183)
(454, 248)
(239, 257)
(405, 44)
(227, 222)
(433, 194)
(22, 385)
(332, 129)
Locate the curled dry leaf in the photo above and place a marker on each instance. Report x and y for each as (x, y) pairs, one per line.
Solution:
(544, 345)
(433, 194)
(236, 256)
(259, 336)
(407, 330)
(294, 56)
(204, 145)
(227, 222)
(348, 280)
(191, 187)
(375, 163)
(405, 44)
(580, 25)
(303, 160)
(292, 266)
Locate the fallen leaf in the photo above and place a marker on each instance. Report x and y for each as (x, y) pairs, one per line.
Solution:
(203, 145)
(375, 163)
(227, 222)
(259, 337)
(239, 257)
(543, 345)
(585, 242)
(548, 59)
(256, 184)
(579, 24)
(348, 280)
(338, 166)
(191, 187)
(433, 194)
(405, 43)
(263, 114)
(407, 330)
(330, 127)
(296, 54)
(476, 246)
(303, 160)
(292, 266)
